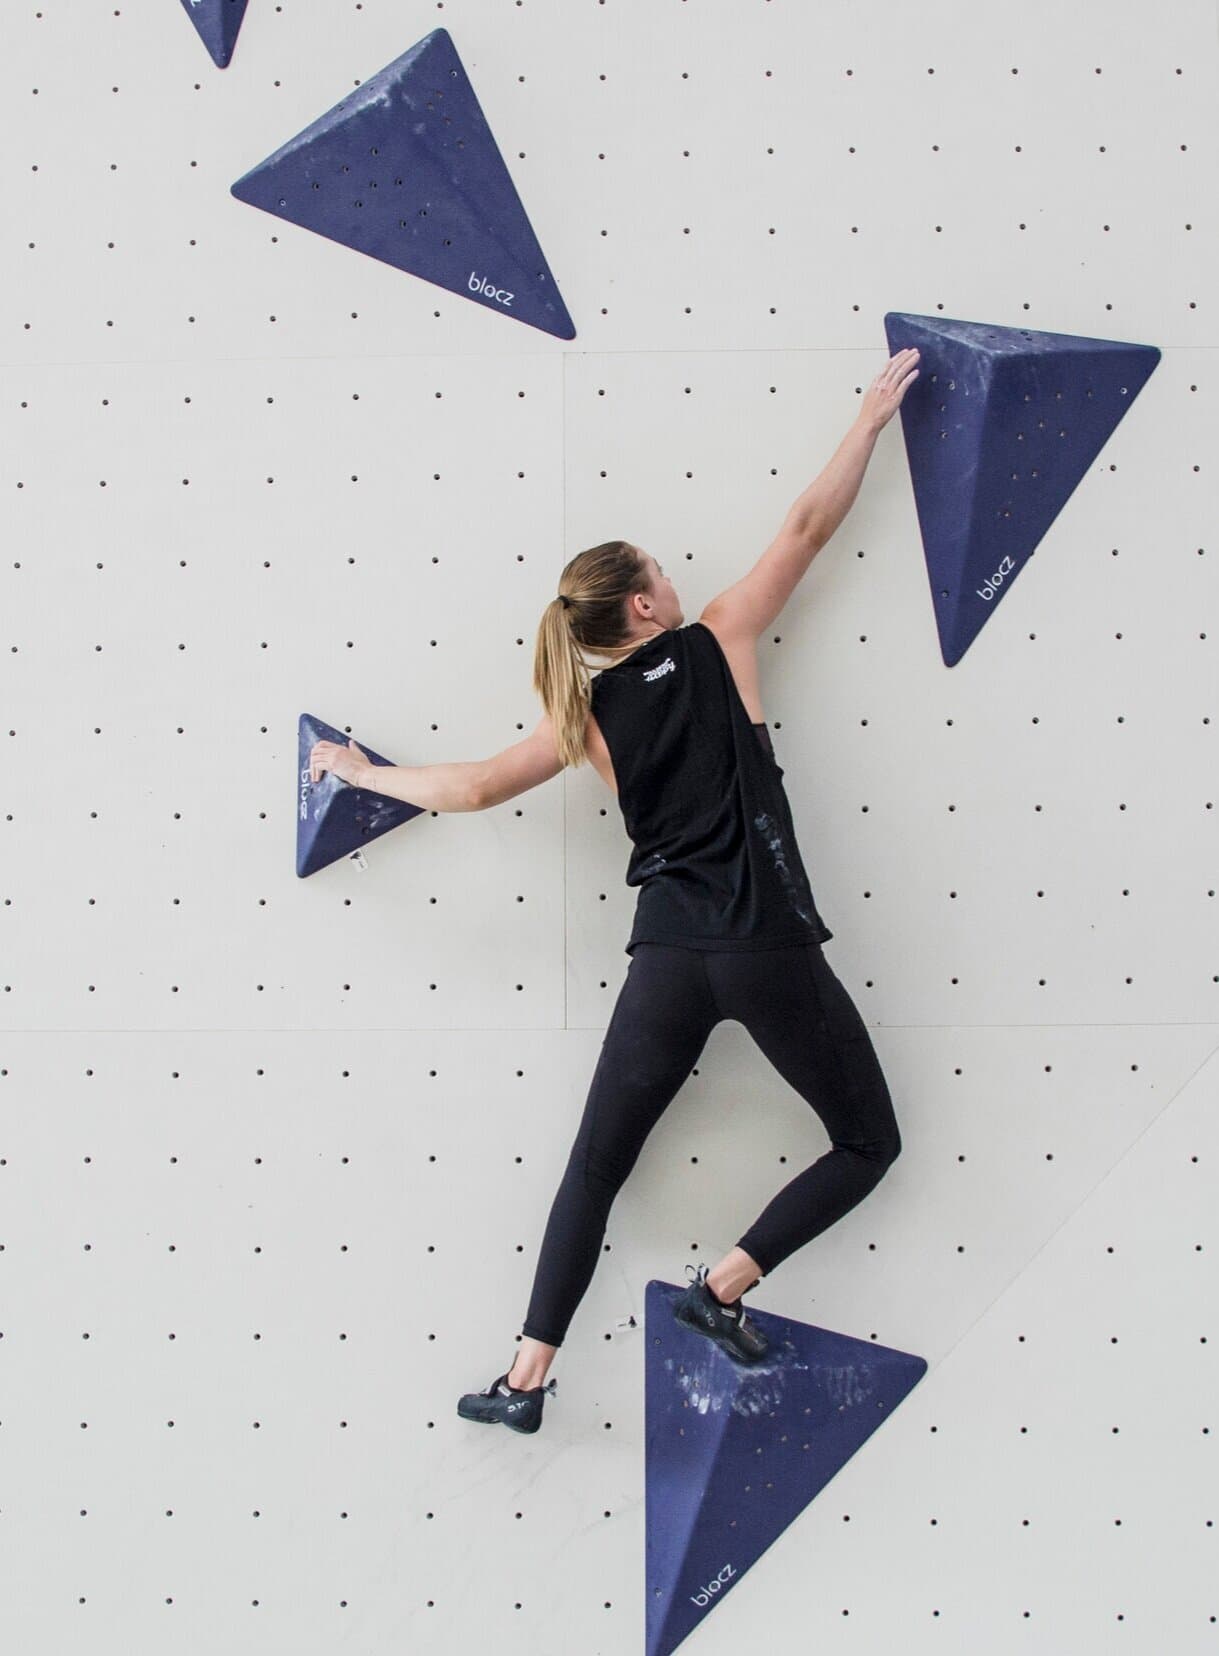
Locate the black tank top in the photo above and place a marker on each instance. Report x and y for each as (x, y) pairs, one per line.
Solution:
(701, 793)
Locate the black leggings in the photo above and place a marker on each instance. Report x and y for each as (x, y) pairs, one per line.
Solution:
(806, 1024)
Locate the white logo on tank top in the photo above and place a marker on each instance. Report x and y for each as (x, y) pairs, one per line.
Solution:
(667, 666)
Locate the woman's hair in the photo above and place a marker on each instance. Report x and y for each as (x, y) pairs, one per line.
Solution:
(589, 613)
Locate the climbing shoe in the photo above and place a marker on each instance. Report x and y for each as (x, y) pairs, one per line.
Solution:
(727, 1325)
(522, 1410)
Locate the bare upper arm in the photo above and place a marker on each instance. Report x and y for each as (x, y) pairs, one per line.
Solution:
(517, 768)
(748, 607)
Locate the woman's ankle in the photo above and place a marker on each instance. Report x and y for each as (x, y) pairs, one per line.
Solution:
(531, 1362)
(529, 1384)
(733, 1276)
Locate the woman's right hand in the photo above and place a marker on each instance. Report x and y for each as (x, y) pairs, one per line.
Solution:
(883, 397)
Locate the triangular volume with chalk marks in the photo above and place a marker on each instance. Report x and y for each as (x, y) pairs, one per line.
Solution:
(218, 23)
(735, 1453)
(405, 169)
(1000, 426)
(333, 819)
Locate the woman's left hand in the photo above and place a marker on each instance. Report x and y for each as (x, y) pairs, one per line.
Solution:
(348, 763)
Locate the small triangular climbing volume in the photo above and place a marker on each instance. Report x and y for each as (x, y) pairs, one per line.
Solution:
(405, 169)
(1000, 426)
(735, 1453)
(333, 819)
(218, 23)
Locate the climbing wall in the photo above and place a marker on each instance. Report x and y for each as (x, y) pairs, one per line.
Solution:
(330, 334)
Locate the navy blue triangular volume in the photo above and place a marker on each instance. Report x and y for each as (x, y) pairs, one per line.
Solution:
(1000, 426)
(405, 169)
(333, 819)
(218, 23)
(735, 1453)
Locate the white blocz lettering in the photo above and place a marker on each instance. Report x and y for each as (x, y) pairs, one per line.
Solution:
(705, 1594)
(989, 588)
(480, 284)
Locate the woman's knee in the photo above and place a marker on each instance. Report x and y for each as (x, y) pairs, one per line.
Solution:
(879, 1153)
(603, 1175)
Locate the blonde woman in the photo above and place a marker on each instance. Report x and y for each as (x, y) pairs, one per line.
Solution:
(725, 923)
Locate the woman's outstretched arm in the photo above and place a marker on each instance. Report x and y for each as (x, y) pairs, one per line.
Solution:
(752, 604)
(829, 497)
(472, 786)
(446, 787)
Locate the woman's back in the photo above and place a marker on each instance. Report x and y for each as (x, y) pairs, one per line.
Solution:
(702, 797)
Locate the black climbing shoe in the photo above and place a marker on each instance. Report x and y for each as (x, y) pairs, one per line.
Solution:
(522, 1410)
(727, 1325)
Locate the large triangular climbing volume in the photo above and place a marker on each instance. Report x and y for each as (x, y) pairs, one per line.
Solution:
(333, 819)
(218, 23)
(405, 169)
(734, 1453)
(1000, 426)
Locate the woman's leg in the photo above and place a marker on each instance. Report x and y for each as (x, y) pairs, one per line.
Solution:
(806, 1023)
(660, 1024)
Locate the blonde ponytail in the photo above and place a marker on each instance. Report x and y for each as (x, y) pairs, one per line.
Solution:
(589, 613)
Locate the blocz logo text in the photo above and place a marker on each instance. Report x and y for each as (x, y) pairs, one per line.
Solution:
(705, 1594)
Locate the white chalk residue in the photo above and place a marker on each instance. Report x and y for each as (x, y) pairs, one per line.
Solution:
(710, 1384)
(844, 1384)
